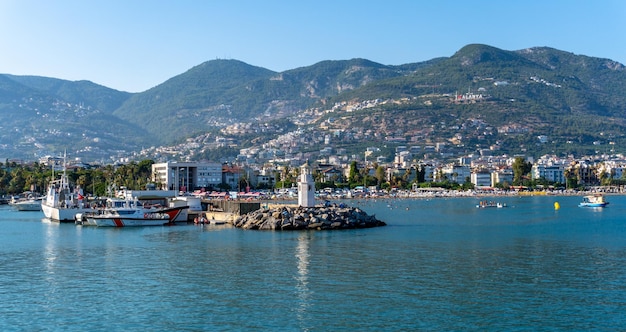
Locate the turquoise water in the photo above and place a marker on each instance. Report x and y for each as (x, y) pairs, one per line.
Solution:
(439, 265)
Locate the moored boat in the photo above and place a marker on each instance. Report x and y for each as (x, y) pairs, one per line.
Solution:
(61, 202)
(163, 198)
(135, 216)
(28, 203)
(100, 207)
(596, 200)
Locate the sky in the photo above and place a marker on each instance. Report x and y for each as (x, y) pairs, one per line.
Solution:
(134, 45)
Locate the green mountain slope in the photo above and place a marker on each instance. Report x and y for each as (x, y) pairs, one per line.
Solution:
(481, 98)
(41, 116)
(191, 102)
(222, 92)
(575, 101)
(75, 92)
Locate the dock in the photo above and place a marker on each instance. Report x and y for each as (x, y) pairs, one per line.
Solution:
(223, 211)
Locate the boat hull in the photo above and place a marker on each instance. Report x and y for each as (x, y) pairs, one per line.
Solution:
(27, 206)
(149, 218)
(593, 201)
(61, 214)
(593, 205)
(491, 205)
(127, 222)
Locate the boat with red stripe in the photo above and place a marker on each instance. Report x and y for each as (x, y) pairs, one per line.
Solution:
(129, 217)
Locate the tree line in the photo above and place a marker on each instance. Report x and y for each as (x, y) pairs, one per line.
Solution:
(18, 178)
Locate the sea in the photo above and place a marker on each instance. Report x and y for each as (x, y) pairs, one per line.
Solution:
(440, 264)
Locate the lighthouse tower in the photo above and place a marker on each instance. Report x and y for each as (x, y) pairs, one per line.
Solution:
(306, 187)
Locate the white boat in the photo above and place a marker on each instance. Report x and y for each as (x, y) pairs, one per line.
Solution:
(489, 204)
(109, 204)
(135, 216)
(163, 198)
(217, 222)
(28, 203)
(596, 200)
(61, 202)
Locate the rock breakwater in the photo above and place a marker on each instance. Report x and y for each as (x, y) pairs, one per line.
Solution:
(300, 218)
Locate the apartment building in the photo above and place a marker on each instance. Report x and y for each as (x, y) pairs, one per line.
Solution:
(187, 176)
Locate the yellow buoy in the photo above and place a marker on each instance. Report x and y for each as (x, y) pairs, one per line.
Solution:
(557, 205)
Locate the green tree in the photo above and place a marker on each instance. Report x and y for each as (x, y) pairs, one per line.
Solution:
(421, 174)
(407, 175)
(17, 184)
(521, 169)
(380, 175)
(353, 175)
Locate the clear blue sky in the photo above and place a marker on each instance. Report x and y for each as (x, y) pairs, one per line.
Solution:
(133, 45)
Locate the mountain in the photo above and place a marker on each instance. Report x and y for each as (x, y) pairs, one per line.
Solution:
(481, 98)
(222, 92)
(575, 102)
(100, 97)
(210, 94)
(42, 116)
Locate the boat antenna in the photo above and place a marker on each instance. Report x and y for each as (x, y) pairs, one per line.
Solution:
(64, 163)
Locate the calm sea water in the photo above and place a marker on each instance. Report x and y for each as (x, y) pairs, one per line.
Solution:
(439, 265)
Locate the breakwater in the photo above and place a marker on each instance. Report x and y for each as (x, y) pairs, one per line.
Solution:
(300, 218)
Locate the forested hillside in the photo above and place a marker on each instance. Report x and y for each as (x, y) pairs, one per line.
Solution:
(481, 97)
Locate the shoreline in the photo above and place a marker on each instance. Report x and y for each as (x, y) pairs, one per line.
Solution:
(449, 194)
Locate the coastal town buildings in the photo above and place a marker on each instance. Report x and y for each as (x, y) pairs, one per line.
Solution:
(481, 171)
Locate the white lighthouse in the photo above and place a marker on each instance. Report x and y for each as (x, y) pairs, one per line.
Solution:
(306, 187)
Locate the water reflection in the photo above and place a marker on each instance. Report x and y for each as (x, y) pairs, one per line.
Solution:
(527, 267)
(50, 249)
(302, 286)
(50, 257)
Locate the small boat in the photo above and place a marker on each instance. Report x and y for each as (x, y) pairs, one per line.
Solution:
(596, 200)
(217, 222)
(490, 204)
(135, 216)
(26, 203)
(204, 219)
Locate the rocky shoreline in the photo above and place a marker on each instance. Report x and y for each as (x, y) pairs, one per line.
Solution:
(301, 218)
